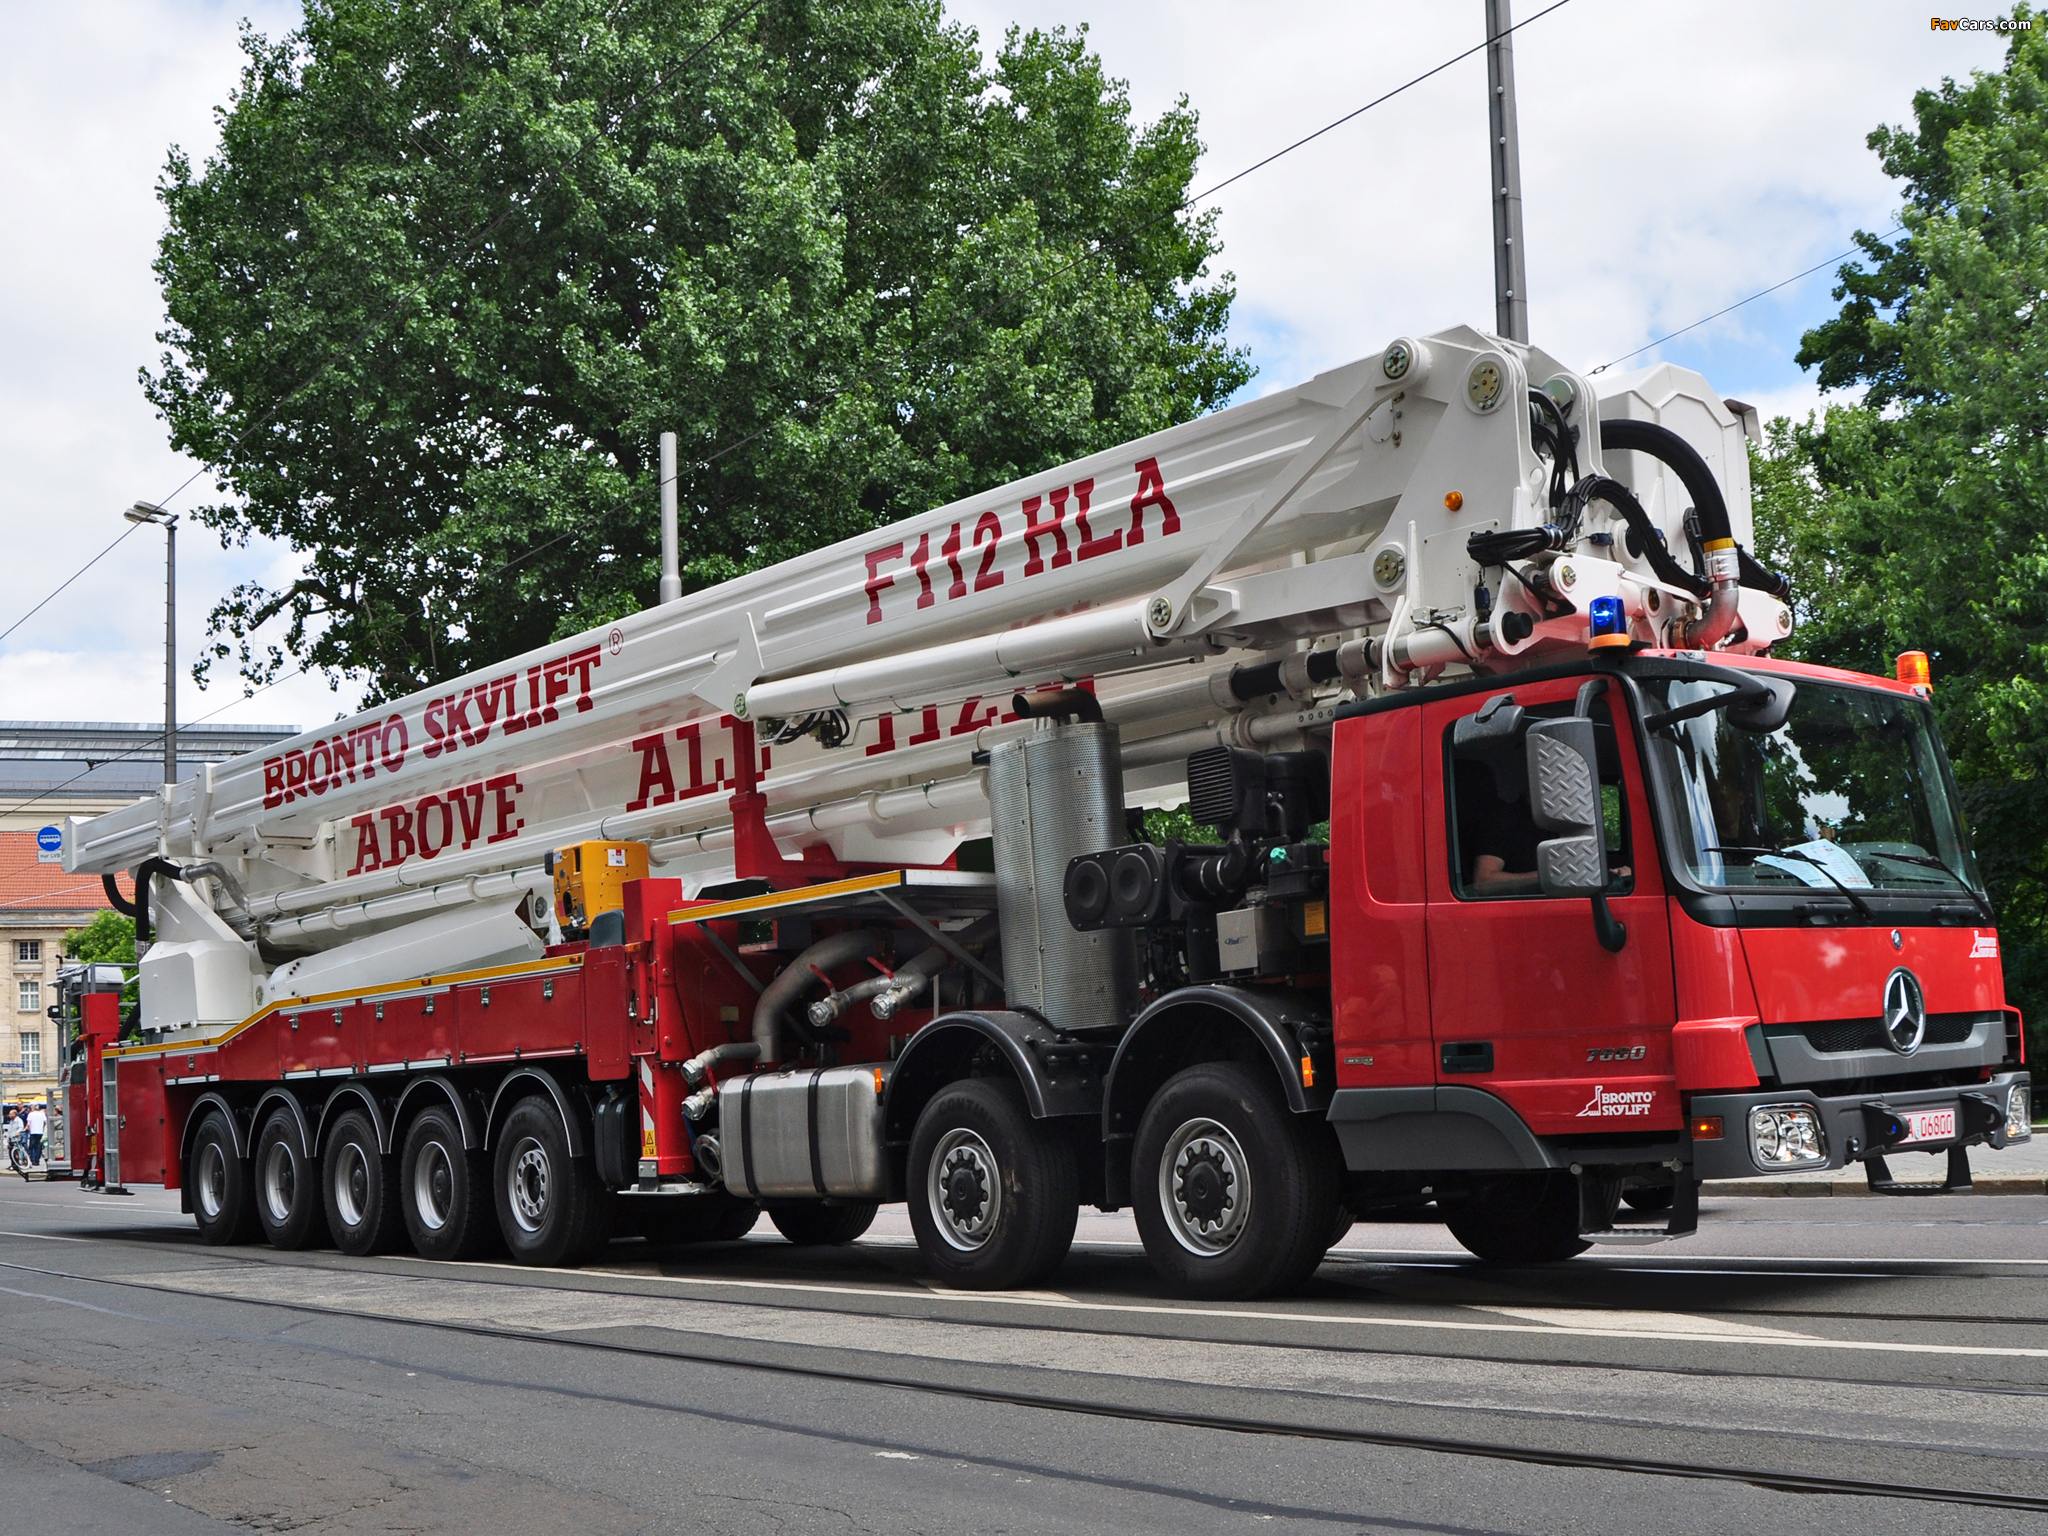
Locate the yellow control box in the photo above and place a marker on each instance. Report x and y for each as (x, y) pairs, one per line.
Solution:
(591, 878)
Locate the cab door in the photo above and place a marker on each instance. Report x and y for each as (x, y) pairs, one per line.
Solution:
(1525, 1002)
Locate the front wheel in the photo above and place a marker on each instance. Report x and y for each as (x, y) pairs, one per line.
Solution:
(221, 1196)
(1233, 1196)
(994, 1194)
(1518, 1218)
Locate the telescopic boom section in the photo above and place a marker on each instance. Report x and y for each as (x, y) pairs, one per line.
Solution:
(836, 710)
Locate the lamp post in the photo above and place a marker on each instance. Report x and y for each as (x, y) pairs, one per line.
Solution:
(145, 512)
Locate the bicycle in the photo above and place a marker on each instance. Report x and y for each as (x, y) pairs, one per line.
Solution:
(17, 1157)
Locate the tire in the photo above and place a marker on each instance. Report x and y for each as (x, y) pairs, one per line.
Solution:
(444, 1190)
(1649, 1199)
(1518, 1218)
(994, 1194)
(824, 1226)
(551, 1209)
(1234, 1197)
(222, 1194)
(357, 1187)
(670, 1219)
(287, 1183)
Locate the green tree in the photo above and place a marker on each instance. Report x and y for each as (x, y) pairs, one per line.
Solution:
(1918, 519)
(109, 939)
(455, 266)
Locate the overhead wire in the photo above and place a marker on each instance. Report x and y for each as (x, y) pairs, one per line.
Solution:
(982, 314)
(1760, 294)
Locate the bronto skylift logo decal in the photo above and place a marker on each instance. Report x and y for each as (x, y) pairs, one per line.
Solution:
(1623, 1103)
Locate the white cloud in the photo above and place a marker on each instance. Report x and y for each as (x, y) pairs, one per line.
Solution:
(1676, 158)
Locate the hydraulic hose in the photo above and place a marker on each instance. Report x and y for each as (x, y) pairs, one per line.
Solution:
(1668, 448)
(781, 993)
(1662, 561)
(138, 909)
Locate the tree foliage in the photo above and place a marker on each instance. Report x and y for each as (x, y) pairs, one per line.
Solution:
(455, 266)
(109, 939)
(1918, 519)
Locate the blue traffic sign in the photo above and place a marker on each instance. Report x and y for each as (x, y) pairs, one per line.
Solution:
(50, 839)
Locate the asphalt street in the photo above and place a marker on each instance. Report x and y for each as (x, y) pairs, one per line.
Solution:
(1875, 1364)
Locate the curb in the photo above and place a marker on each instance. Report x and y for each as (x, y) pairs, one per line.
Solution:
(1809, 1189)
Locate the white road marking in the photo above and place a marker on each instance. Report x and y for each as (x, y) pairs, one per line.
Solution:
(1664, 1324)
(1704, 1331)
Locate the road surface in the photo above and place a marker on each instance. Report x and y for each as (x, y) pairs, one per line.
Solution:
(1876, 1364)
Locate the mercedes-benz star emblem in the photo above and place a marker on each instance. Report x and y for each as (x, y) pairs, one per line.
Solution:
(1905, 1011)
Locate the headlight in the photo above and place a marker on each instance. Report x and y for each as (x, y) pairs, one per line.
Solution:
(1786, 1136)
(2019, 1113)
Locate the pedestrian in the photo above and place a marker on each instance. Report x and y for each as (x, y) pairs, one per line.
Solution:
(37, 1119)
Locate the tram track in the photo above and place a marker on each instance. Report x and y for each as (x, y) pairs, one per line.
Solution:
(767, 1293)
(1241, 1424)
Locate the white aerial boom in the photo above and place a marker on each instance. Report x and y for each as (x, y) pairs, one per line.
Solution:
(856, 686)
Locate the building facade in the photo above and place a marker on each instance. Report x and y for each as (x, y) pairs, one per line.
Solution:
(51, 769)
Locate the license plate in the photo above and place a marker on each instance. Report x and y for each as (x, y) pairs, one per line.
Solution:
(1928, 1125)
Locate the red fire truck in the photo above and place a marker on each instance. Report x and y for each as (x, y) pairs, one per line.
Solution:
(1516, 876)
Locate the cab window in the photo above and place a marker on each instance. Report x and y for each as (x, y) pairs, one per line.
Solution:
(1493, 837)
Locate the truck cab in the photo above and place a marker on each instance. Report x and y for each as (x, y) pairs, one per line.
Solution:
(1791, 964)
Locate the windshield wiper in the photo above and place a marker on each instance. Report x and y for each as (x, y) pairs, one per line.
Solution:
(1928, 861)
(1855, 901)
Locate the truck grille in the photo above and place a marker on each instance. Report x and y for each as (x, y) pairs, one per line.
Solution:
(1834, 1036)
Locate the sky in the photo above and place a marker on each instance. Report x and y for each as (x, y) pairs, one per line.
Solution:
(1677, 156)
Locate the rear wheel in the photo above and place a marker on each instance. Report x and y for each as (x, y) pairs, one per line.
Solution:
(819, 1226)
(287, 1185)
(994, 1194)
(709, 1218)
(551, 1208)
(1233, 1196)
(221, 1195)
(444, 1189)
(1518, 1218)
(356, 1184)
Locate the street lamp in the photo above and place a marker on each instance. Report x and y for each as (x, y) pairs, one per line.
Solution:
(146, 512)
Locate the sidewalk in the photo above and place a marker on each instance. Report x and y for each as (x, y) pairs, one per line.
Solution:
(2020, 1170)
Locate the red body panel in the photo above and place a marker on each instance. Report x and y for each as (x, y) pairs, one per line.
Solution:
(1379, 957)
(1804, 974)
(1529, 975)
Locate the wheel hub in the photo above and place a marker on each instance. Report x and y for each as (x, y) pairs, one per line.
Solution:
(280, 1183)
(213, 1181)
(433, 1187)
(529, 1185)
(964, 1190)
(1205, 1189)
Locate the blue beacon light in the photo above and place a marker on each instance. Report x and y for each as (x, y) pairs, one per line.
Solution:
(1609, 621)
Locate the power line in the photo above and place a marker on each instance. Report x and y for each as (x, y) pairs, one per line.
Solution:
(95, 560)
(152, 742)
(987, 311)
(1764, 293)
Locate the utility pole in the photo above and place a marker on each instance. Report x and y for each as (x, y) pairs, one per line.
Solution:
(1510, 276)
(144, 512)
(671, 573)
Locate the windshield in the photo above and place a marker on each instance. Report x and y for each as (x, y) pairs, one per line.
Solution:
(1853, 792)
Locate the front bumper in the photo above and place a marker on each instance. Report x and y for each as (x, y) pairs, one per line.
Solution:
(1846, 1127)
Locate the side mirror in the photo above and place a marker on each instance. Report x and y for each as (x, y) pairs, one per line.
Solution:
(1764, 714)
(1564, 799)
